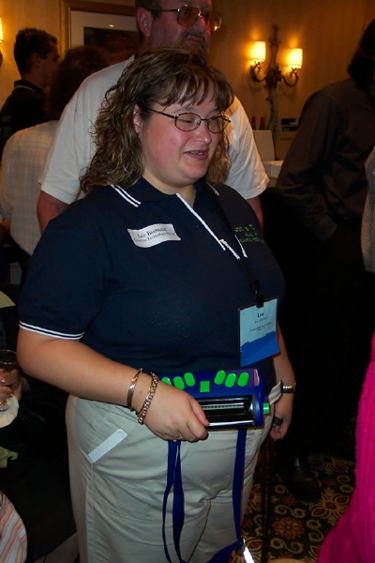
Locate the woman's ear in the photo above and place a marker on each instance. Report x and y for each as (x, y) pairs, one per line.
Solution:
(137, 120)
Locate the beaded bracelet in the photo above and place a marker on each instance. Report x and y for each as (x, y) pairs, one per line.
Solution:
(132, 385)
(150, 395)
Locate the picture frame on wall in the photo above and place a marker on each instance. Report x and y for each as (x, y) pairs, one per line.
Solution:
(110, 26)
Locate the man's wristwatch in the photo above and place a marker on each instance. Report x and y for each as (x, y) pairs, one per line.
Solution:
(288, 388)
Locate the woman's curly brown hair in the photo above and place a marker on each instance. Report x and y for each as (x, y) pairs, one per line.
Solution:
(166, 76)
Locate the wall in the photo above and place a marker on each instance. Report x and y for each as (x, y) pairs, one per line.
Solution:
(327, 31)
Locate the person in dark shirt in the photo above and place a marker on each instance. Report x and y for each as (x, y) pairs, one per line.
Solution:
(35, 52)
(327, 314)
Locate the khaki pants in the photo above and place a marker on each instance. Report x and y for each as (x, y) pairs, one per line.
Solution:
(118, 493)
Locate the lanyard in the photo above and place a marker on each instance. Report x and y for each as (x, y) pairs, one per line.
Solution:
(174, 479)
(241, 257)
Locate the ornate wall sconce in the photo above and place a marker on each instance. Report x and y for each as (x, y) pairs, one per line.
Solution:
(1, 41)
(273, 75)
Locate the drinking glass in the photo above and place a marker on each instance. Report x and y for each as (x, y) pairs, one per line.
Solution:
(9, 371)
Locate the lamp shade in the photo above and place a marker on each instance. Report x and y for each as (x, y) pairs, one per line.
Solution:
(295, 58)
(1, 31)
(258, 51)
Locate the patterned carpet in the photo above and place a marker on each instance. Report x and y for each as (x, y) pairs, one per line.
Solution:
(297, 529)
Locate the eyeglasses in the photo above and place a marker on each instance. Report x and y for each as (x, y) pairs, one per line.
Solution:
(188, 15)
(191, 121)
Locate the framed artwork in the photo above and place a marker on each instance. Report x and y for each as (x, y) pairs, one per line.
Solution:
(110, 26)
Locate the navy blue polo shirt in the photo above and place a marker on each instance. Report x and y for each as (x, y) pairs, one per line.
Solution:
(146, 280)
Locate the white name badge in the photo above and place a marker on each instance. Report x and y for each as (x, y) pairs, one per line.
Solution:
(153, 235)
(258, 336)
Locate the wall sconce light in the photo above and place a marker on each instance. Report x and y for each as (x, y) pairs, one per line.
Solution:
(295, 57)
(273, 75)
(258, 53)
(1, 41)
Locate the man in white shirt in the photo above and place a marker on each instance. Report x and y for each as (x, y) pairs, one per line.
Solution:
(160, 23)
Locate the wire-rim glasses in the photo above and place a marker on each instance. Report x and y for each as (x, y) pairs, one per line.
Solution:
(191, 121)
(187, 16)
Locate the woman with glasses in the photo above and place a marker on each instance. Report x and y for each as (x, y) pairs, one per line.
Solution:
(73, 147)
(143, 278)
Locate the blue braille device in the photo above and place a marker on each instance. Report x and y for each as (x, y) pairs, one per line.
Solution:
(229, 398)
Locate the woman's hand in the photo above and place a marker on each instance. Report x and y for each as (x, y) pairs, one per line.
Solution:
(173, 414)
(284, 406)
(282, 416)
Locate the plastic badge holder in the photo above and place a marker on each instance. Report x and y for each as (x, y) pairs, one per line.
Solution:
(229, 398)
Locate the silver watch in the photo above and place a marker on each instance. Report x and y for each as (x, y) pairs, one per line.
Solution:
(288, 388)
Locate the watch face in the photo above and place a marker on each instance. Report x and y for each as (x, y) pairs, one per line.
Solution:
(288, 388)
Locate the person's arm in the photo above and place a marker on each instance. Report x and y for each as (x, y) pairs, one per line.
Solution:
(66, 158)
(284, 406)
(48, 208)
(70, 152)
(303, 166)
(368, 218)
(79, 370)
(8, 176)
(246, 175)
(256, 206)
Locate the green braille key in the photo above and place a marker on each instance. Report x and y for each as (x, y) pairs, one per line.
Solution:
(166, 380)
(220, 377)
(179, 382)
(230, 380)
(204, 387)
(243, 379)
(189, 379)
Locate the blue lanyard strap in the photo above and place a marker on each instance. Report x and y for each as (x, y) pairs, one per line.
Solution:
(174, 479)
(239, 467)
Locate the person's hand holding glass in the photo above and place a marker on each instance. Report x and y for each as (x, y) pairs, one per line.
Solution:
(10, 379)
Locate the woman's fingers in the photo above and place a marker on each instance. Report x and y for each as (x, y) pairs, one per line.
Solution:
(173, 412)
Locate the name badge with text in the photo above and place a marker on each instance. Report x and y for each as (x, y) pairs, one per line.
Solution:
(258, 336)
(153, 235)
